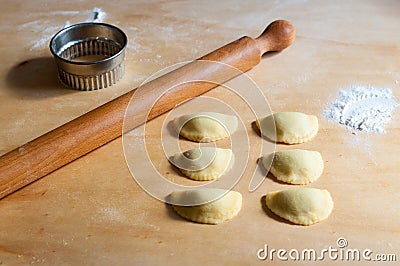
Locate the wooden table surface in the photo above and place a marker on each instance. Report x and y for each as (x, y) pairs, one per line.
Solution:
(92, 212)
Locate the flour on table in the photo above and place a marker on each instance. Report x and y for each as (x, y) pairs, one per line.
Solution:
(46, 28)
(97, 15)
(67, 24)
(361, 108)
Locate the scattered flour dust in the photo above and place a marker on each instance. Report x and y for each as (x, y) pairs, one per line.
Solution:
(363, 108)
(45, 28)
(97, 15)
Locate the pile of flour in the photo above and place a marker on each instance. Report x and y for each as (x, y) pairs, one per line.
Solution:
(361, 108)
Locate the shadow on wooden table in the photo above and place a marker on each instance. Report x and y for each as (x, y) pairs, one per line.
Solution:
(36, 78)
(270, 54)
(172, 214)
(258, 131)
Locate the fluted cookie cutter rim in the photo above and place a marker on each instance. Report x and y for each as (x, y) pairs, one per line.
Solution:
(85, 39)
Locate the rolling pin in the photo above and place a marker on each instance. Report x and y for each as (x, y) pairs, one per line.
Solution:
(86, 133)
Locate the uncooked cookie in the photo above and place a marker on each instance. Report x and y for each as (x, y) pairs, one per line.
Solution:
(297, 167)
(214, 205)
(206, 126)
(203, 164)
(304, 206)
(291, 127)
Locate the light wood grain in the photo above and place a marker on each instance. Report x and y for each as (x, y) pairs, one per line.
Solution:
(92, 212)
(74, 139)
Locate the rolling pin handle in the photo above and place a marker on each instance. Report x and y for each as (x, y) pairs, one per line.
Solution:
(277, 36)
(103, 124)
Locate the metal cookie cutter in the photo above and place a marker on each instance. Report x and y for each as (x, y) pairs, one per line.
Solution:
(89, 56)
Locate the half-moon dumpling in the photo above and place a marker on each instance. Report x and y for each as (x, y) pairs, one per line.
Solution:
(297, 167)
(207, 205)
(291, 127)
(203, 164)
(304, 206)
(205, 126)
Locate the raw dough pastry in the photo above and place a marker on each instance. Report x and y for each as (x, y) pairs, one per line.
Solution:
(298, 167)
(304, 206)
(203, 164)
(216, 205)
(206, 126)
(291, 127)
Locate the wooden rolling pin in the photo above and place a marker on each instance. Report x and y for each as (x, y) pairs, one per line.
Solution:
(84, 134)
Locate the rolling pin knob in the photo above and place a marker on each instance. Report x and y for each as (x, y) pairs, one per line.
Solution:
(82, 135)
(277, 36)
